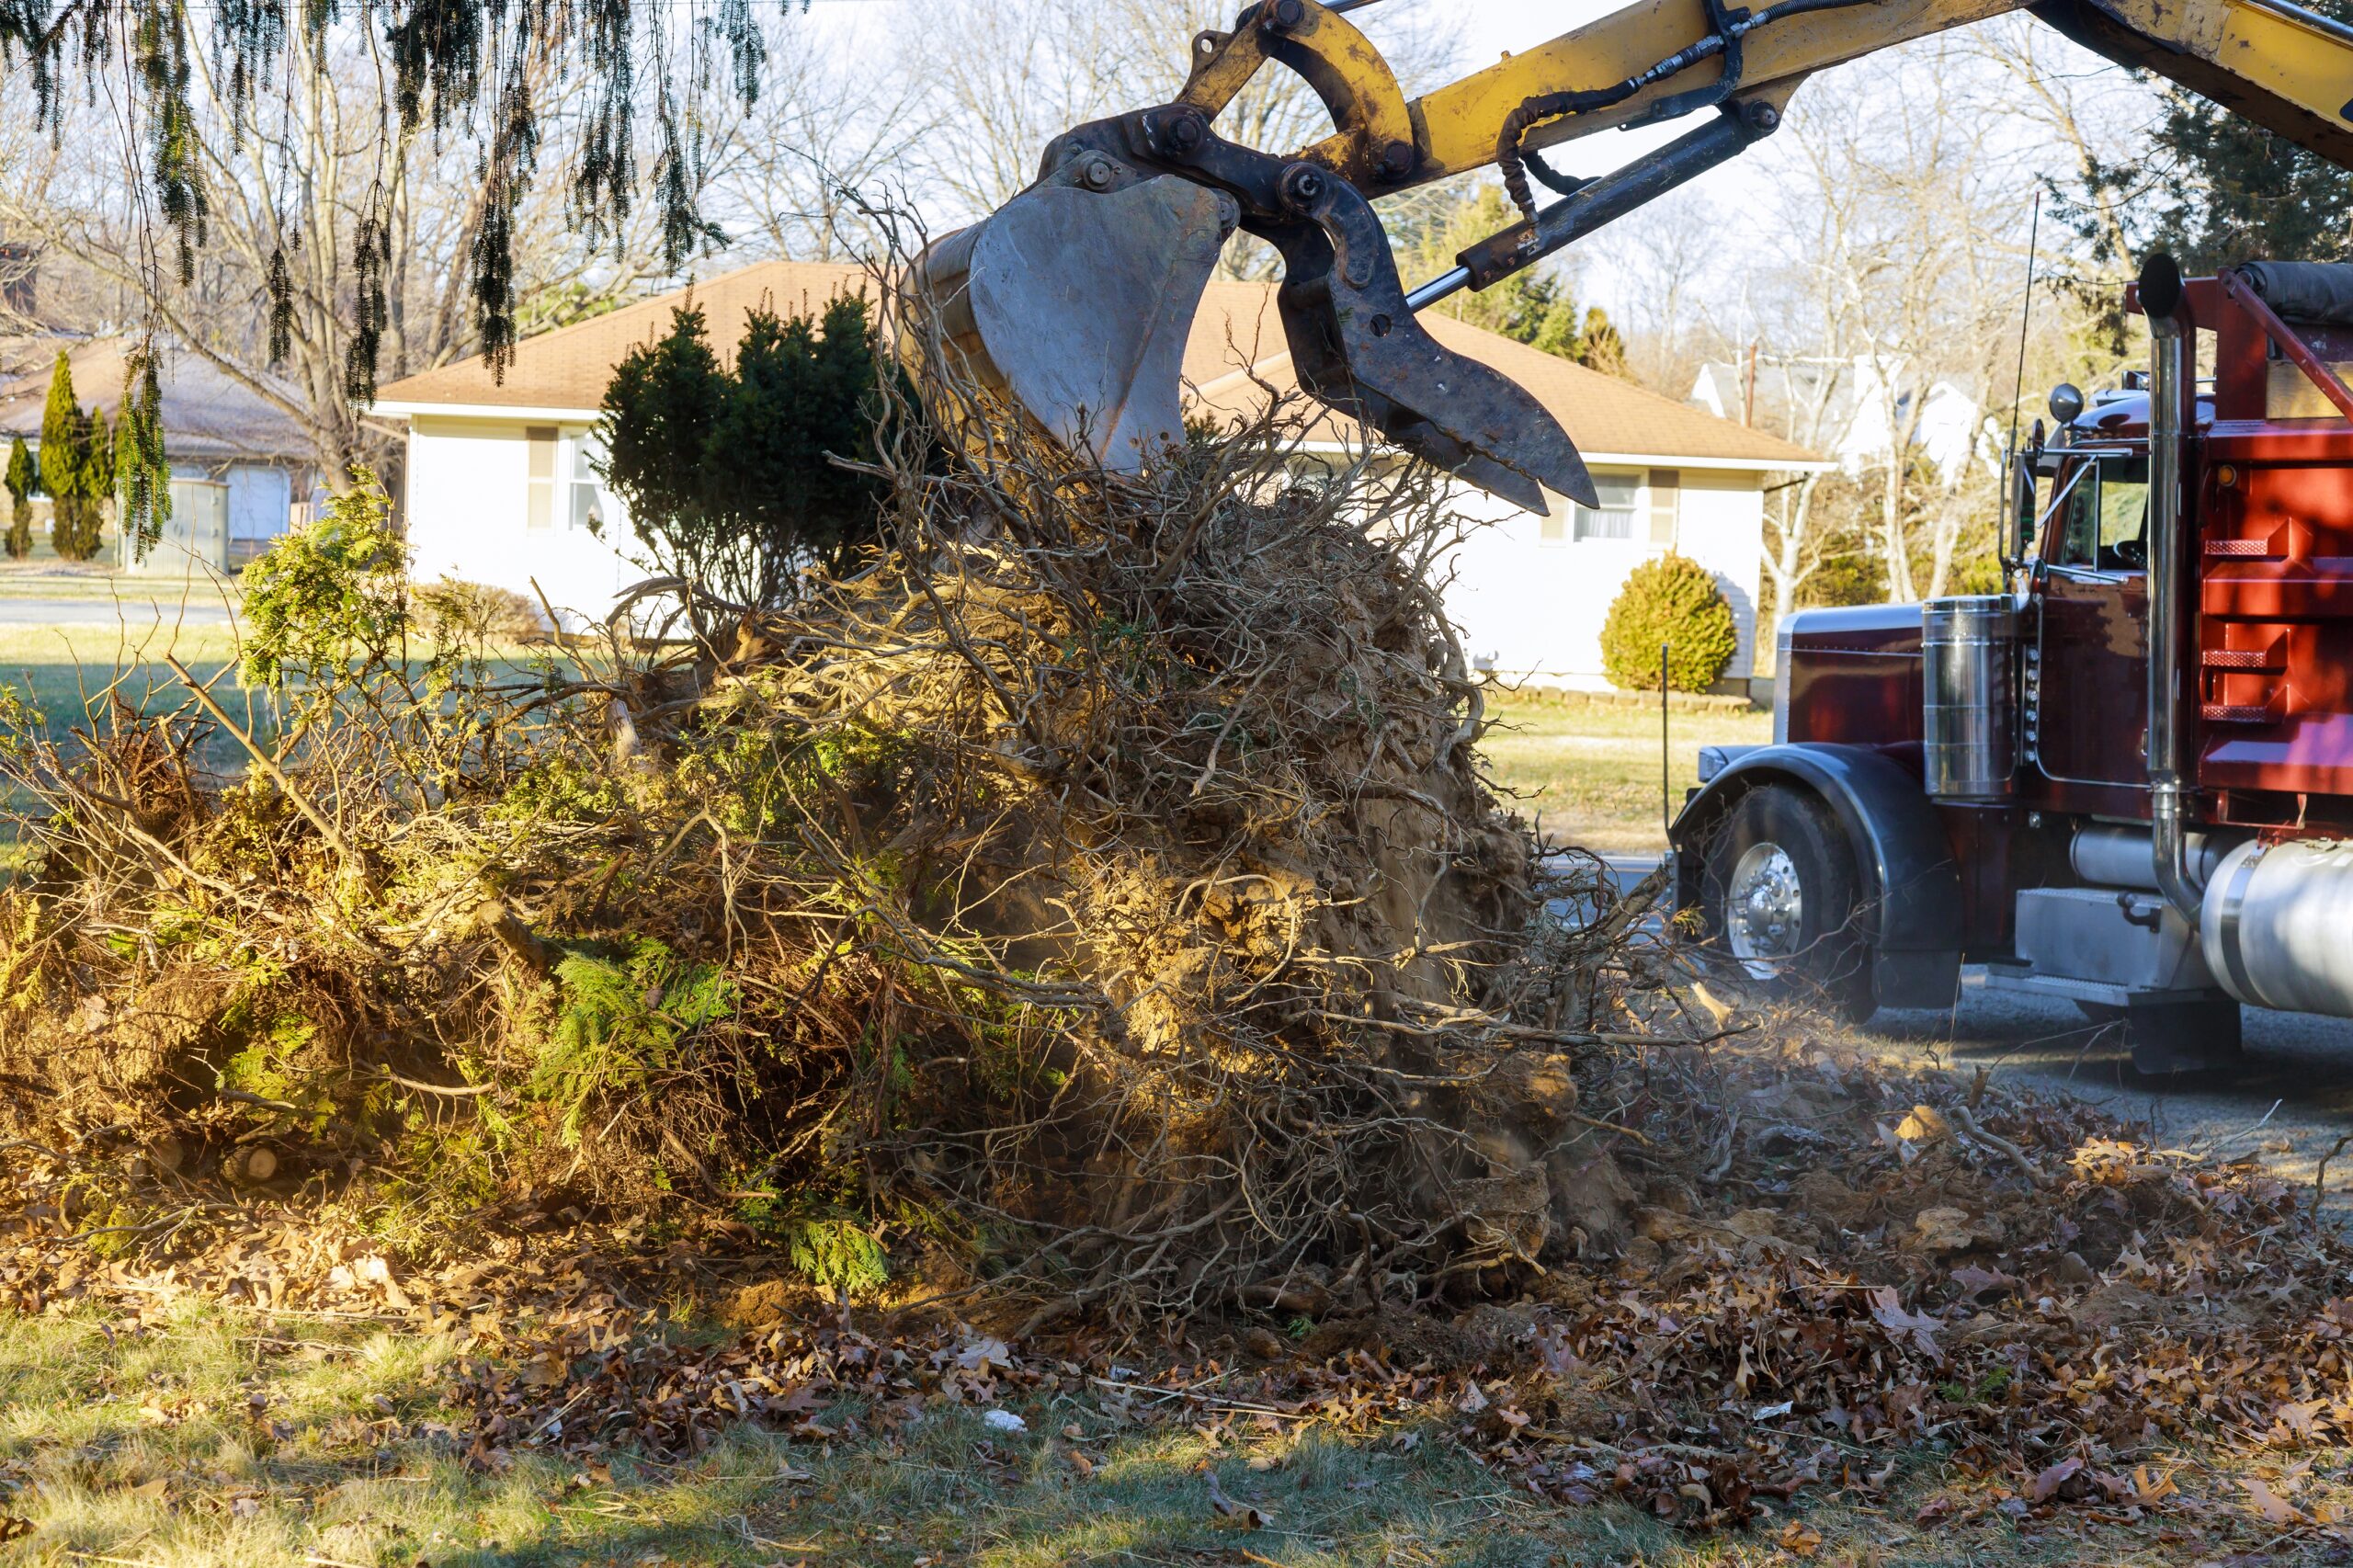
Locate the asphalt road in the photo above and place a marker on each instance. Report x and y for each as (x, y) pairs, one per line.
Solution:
(2286, 1102)
(133, 612)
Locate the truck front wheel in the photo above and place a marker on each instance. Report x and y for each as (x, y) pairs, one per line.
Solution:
(1782, 900)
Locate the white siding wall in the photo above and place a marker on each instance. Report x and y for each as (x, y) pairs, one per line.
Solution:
(469, 488)
(1531, 609)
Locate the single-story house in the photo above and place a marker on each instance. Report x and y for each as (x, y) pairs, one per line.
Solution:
(502, 472)
(241, 470)
(502, 483)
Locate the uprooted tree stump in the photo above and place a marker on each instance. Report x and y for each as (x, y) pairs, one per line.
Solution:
(1094, 893)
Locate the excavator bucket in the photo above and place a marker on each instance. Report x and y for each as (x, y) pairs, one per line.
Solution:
(1073, 301)
(1075, 305)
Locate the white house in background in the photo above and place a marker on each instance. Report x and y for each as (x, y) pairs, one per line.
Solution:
(1860, 411)
(1529, 593)
(502, 484)
(501, 477)
(242, 470)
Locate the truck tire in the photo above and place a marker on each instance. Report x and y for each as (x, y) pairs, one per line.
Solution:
(1782, 900)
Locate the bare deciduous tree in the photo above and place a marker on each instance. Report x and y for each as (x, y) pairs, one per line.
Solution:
(294, 187)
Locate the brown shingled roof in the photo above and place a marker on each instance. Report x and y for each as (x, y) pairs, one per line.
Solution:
(1238, 326)
(570, 367)
(207, 414)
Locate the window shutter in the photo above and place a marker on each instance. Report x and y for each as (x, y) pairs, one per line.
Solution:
(538, 509)
(1667, 497)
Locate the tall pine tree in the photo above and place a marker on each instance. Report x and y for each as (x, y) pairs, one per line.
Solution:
(76, 468)
(2216, 189)
(21, 480)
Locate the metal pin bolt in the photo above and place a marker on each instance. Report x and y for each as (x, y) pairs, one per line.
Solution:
(1282, 15)
(1397, 160)
(1303, 184)
(1185, 132)
(1098, 173)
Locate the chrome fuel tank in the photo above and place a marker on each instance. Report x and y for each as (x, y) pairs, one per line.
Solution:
(2276, 925)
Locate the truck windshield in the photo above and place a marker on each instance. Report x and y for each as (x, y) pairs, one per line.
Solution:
(2105, 511)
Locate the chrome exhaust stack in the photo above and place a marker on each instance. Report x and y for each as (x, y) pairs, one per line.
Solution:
(2173, 391)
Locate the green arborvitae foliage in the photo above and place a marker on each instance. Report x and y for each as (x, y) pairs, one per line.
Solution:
(329, 597)
(624, 1025)
(1672, 600)
(23, 478)
(459, 68)
(76, 468)
(728, 474)
(143, 475)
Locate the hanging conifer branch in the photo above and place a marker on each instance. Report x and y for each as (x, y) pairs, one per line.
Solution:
(462, 68)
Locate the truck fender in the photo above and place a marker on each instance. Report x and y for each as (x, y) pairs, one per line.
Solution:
(1913, 887)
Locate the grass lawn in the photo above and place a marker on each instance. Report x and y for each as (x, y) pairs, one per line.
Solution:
(58, 668)
(244, 1439)
(1589, 772)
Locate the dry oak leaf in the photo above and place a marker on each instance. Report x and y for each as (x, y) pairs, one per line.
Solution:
(2274, 1508)
(1244, 1514)
(1887, 1309)
(1798, 1538)
(2048, 1484)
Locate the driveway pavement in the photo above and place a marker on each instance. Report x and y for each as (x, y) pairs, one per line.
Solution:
(129, 611)
(2286, 1102)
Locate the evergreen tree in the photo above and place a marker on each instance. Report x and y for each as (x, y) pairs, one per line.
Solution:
(1532, 306)
(726, 474)
(76, 468)
(2217, 189)
(22, 479)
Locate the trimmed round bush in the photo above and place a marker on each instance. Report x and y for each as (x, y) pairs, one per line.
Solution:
(1672, 600)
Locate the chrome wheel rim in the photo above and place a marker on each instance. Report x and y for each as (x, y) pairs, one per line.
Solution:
(1764, 909)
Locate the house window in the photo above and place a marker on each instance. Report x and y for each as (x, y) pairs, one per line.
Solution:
(539, 507)
(587, 511)
(1666, 497)
(1614, 518)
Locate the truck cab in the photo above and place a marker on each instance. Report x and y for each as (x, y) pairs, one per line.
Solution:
(2126, 781)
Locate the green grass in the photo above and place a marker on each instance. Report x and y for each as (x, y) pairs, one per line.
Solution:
(210, 1436)
(1589, 772)
(57, 669)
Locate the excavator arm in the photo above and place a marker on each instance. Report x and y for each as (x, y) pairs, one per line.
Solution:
(1074, 300)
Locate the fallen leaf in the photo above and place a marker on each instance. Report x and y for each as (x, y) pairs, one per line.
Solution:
(1244, 1514)
(2047, 1484)
(1799, 1538)
(2274, 1508)
(1887, 1309)
(13, 1528)
(1976, 1281)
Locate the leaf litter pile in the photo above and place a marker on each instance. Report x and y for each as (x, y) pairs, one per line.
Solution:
(1076, 951)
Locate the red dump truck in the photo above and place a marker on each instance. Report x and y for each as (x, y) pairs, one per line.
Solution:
(2127, 782)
